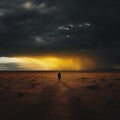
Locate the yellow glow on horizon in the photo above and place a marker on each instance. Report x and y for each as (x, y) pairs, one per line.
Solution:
(50, 63)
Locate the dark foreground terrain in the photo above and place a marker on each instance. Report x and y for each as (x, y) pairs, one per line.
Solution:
(78, 96)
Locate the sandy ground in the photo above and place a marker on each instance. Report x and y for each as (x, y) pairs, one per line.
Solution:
(78, 96)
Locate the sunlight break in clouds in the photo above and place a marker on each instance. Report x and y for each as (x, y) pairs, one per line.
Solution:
(42, 8)
(48, 63)
(30, 5)
(10, 60)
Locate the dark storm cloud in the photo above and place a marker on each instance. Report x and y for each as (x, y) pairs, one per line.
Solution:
(46, 26)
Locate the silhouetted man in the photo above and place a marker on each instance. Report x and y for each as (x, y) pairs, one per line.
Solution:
(59, 76)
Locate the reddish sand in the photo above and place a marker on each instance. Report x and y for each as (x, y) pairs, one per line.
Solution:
(78, 96)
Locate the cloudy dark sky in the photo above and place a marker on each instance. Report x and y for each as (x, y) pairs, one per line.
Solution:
(61, 27)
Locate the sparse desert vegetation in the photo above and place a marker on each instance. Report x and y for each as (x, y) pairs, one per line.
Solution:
(39, 95)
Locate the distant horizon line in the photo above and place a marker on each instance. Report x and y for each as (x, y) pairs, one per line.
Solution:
(92, 70)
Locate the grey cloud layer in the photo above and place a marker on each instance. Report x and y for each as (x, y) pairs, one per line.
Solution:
(47, 26)
(10, 66)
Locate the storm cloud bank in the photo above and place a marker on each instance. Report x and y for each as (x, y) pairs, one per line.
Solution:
(39, 27)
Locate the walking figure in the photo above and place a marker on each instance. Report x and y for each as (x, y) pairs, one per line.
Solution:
(59, 76)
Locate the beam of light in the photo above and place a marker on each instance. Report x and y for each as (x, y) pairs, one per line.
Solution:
(50, 63)
(9, 60)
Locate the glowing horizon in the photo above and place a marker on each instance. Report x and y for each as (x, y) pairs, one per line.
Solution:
(49, 63)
